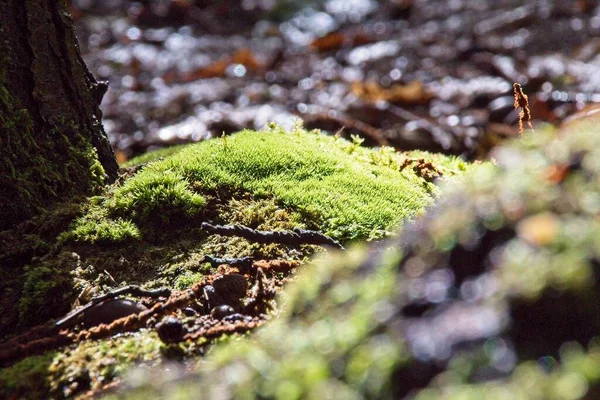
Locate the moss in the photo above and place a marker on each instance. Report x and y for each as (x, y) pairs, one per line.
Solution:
(33, 165)
(187, 279)
(29, 244)
(253, 178)
(33, 171)
(87, 365)
(27, 378)
(102, 231)
(345, 190)
(159, 195)
(46, 293)
(517, 245)
(68, 373)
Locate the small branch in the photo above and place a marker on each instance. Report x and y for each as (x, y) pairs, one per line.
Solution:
(364, 129)
(234, 262)
(522, 102)
(132, 290)
(441, 137)
(296, 237)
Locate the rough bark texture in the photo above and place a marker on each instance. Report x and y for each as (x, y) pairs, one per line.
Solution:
(52, 144)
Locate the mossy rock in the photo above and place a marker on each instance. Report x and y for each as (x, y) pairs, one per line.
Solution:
(494, 293)
(146, 230)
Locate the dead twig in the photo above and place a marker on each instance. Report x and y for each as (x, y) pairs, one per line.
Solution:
(522, 102)
(233, 262)
(132, 290)
(296, 237)
(345, 122)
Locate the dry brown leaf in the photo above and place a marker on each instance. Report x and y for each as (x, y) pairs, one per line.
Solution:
(337, 40)
(410, 93)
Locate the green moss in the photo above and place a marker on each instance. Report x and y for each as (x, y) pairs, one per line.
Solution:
(46, 292)
(345, 190)
(156, 195)
(27, 379)
(40, 164)
(266, 180)
(526, 230)
(309, 173)
(33, 163)
(187, 279)
(101, 231)
(95, 361)
(69, 372)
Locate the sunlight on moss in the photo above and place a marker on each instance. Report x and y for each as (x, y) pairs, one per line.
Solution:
(526, 226)
(345, 190)
(28, 377)
(158, 195)
(95, 227)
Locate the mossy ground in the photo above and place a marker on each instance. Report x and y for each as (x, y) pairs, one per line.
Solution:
(514, 249)
(145, 230)
(344, 190)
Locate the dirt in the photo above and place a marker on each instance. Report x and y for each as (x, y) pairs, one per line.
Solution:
(416, 74)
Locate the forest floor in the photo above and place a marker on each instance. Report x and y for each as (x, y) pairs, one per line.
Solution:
(424, 75)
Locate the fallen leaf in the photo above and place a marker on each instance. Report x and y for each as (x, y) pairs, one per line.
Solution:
(410, 93)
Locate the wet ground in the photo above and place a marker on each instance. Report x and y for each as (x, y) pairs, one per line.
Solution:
(427, 74)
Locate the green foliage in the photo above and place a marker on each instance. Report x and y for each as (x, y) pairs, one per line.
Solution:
(343, 331)
(27, 379)
(347, 191)
(154, 195)
(45, 293)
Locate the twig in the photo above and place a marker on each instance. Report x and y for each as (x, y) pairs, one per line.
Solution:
(522, 101)
(132, 290)
(440, 136)
(364, 129)
(296, 237)
(234, 262)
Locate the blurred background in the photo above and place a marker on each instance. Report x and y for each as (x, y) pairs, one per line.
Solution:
(428, 74)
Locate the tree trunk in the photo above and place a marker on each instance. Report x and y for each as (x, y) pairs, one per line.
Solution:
(52, 144)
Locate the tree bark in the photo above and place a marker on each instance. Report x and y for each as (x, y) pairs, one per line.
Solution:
(52, 143)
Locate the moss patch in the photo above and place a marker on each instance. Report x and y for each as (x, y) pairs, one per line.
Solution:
(45, 293)
(494, 293)
(347, 191)
(27, 378)
(145, 230)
